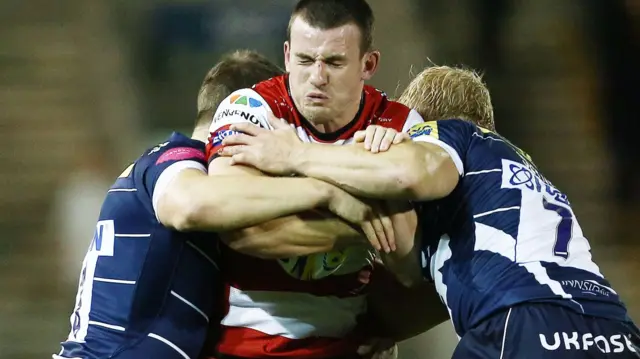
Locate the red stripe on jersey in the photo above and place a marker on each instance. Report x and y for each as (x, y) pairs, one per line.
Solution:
(249, 343)
(249, 273)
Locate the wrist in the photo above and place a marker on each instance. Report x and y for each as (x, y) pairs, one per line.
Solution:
(301, 159)
(324, 192)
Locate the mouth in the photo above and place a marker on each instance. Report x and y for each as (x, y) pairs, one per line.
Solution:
(317, 96)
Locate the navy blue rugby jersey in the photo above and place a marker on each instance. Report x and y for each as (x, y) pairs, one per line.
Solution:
(142, 284)
(505, 235)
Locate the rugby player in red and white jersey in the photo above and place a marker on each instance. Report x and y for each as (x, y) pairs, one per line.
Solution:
(308, 306)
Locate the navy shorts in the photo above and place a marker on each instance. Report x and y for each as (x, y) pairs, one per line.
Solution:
(540, 331)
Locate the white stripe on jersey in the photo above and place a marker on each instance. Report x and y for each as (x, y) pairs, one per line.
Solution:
(504, 333)
(105, 325)
(293, 315)
(133, 235)
(167, 342)
(482, 172)
(182, 299)
(190, 244)
(494, 240)
(123, 190)
(495, 211)
(116, 281)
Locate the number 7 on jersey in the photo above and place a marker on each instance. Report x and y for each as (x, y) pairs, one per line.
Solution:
(564, 230)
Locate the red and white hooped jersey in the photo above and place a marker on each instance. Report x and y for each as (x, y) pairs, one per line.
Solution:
(304, 307)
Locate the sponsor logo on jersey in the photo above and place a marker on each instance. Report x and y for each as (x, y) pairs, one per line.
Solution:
(239, 113)
(245, 100)
(181, 154)
(424, 129)
(522, 176)
(617, 343)
(216, 138)
(589, 286)
(220, 134)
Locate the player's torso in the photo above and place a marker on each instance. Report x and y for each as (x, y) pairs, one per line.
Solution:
(140, 279)
(303, 307)
(506, 235)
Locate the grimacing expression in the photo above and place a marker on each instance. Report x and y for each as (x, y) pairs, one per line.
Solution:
(327, 71)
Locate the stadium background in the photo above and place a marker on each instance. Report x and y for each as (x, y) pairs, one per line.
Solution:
(87, 84)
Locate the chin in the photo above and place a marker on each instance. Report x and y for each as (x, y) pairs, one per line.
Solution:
(315, 114)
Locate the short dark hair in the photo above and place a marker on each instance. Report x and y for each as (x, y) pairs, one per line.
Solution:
(329, 14)
(235, 71)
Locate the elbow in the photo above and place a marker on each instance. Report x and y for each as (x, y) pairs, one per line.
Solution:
(186, 220)
(426, 175)
(190, 218)
(409, 178)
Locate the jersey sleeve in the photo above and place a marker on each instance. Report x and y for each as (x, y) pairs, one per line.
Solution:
(413, 119)
(155, 170)
(242, 106)
(454, 136)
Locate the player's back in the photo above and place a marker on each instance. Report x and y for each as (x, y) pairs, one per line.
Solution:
(506, 235)
(145, 290)
(304, 307)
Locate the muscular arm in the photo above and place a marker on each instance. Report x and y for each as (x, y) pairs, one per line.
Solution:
(295, 235)
(416, 171)
(194, 201)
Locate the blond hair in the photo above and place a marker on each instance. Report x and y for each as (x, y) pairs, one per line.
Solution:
(443, 92)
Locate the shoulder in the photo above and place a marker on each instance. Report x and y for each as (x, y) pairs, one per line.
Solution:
(244, 105)
(389, 113)
(177, 147)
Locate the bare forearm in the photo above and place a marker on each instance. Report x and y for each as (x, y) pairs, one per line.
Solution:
(358, 171)
(298, 235)
(224, 203)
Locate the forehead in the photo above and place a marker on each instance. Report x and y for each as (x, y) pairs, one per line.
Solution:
(314, 41)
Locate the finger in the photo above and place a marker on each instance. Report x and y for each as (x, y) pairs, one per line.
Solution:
(277, 123)
(387, 140)
(238, 139)
(248, 128)
(370, 233)
(369, 134)
(387, 226)
(401, 137)
(364, 350)
(379, 231)
(359, 136)
(377, 139)
(229, 151)
(241, 159)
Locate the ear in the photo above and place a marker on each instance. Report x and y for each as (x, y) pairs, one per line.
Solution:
(287, 55)
(370, 64)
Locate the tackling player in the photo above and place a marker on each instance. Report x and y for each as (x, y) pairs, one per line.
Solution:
(146, 290)
(505, 249)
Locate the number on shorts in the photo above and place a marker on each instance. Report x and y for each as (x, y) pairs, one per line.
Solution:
(564, 230)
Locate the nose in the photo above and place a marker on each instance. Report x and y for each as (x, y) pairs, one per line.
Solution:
(319, 76)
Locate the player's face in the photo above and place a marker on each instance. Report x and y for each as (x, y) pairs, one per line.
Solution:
(327, 71)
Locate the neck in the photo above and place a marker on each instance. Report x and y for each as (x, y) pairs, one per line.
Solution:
(200, 133)
(341, 120)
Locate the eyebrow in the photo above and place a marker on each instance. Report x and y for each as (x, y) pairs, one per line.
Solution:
(331, 58)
